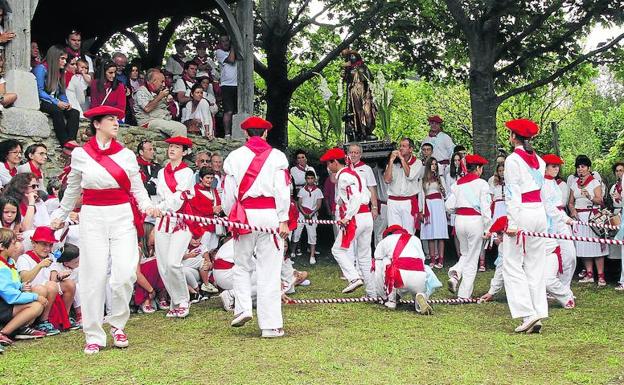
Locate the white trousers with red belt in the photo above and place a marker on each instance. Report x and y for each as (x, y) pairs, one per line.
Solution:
(169, 250)
(107, 233)
(400, 213)
(413, 281)
(362, 246)
(469, 232)
(269, 253)
(523, 269)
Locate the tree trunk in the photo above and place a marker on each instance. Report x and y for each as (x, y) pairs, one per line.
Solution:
(484, 104)
(278, 103)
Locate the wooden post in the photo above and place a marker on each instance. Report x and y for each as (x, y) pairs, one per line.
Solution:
(244, 16)
(17, 54)
(555, 137)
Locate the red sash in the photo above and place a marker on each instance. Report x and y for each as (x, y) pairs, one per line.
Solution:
(466, 211)
(557, 252)
(144, 163)
(119, 174)
(203, 206)
(531, 197)
(393, 274)
(414, 206)
(222, 264)
(262, 151)
(348, 232)
(431, 196)
(35, 170)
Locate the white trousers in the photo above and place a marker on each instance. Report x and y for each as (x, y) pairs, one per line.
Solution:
(169, 250)
(362, 240)
(413, 281)
(568, 254)
(310, 230)
(554, 286)
(497, 283)
(523, 272)
(469, 231)
(400, 213)
(107, 233)
(380, 223)
(224, 278)
(267, 264)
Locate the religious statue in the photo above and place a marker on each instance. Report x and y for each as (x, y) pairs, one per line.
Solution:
(360, 110)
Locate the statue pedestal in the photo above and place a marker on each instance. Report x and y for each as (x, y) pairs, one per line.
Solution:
(374, 149)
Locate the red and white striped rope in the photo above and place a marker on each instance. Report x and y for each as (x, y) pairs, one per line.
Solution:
(445, 301)
(223, 222)
(598, 225)
(318, 221)
(572, 238)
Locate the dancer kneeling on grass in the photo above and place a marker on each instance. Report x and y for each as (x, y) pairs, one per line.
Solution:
(552, 274)
(399, 270)
(470, 200)
(356, 222)
(108, 176)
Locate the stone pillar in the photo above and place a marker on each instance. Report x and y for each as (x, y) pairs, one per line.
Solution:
(17, 53)
(244, 16)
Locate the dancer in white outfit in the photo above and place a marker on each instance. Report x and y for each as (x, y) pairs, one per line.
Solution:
(108, 175)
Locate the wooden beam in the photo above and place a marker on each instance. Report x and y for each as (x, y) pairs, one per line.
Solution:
(17, 51)
(232, 26)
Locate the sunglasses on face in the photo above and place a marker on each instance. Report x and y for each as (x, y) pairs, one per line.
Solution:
(34, 186)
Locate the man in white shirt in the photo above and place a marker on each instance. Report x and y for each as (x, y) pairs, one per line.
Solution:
(366, 175)
(226, 57)
(403, 174)
(299, 170)
(182, 87)
(443, 145)
(175, 62)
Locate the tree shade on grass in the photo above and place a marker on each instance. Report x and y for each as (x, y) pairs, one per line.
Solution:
(345, 344)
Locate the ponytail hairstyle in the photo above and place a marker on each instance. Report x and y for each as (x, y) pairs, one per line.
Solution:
(526, 145)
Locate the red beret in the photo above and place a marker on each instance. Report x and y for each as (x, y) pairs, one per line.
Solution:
(103, 111)
(44, 234)
(333, 154)
(552, 159)
(499, 225)
(523, 127)
(181, 140)
(256, 122)
(435, 118)
(393, 229)
(475, 159)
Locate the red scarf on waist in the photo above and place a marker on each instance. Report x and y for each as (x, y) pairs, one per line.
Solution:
(467, 178)
(530, 159)
(12, 171)
(582, 183)
(35, 170)
(169, 174)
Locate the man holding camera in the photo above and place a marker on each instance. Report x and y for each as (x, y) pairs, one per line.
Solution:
(403, 174)
(150, 106)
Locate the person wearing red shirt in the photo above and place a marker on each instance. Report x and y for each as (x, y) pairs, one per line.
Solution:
(107, 90)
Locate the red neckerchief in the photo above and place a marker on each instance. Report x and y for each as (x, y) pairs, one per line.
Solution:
(411, 160)
(356, 64)
(35, 170)
(618, 189)
(169, 173)
(257, 145)
(582, 184)
(358, 164)
(548, 177)
(467, 178)
(72, 53)
(144, 163)
(310, 190)
(187, 78)
(530, 159)
(6, 262)
(433, 135)
(12, 171)
(34, 256)
(300, 167)
(114, 147)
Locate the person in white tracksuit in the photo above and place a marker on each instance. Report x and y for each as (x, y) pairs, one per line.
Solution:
(175, 188)
(525, 257)
(399, 269)
(470, 200)
(558, 221)
(356, 221)
(257, 192)
(108, 176)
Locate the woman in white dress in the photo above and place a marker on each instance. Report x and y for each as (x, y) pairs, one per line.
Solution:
(435, 226)
(457, 170)
(201, 110)
(585, 197)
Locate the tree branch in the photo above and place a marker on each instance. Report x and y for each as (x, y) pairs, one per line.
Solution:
(134, 38)
(296, 29)
(298, 14)
(260, 68)
(561, 71)
(459, 14)
(302, 130)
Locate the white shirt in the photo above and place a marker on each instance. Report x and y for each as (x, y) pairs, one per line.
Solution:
(228, 71)
(5, 175)
(616, 205)
(520, 179)
(270, 182)
(26, 263)
(173, 201)
(385, 248)
(299, 175)
(552, 201)
(474, 194)
(24, 168)
(434, 187)
(174, 67)
(580, 201)
(406, 186)
(497, 192)
(226, 252)
(76, 93)
(443, 146)
(351, 192)
(309, 199)
(184, 86)
(565, 191)
(203, 112)
(86, 173)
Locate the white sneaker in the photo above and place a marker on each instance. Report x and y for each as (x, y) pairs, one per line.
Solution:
(353, 285)
(312, 261)
(209, 288)
(452, 284)
(535, 328)
(587, 279)
(241, 319)
(183, 311)
(272, 333)
(120, 339)
(390, 305)
(305, 283)
(227, 299)
(528, 324)
(421, 305)
(91, 349)
(316, 252)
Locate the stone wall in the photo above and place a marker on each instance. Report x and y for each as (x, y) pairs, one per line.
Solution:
(30, 126)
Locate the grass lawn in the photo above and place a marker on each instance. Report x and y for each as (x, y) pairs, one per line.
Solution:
(345, 344)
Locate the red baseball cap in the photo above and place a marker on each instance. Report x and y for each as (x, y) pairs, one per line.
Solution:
(333, 154)
(256, 122)
(475, 159)
(523, 127)
(181, 140)
(44, 234)
(552, 159)
(103, 111)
